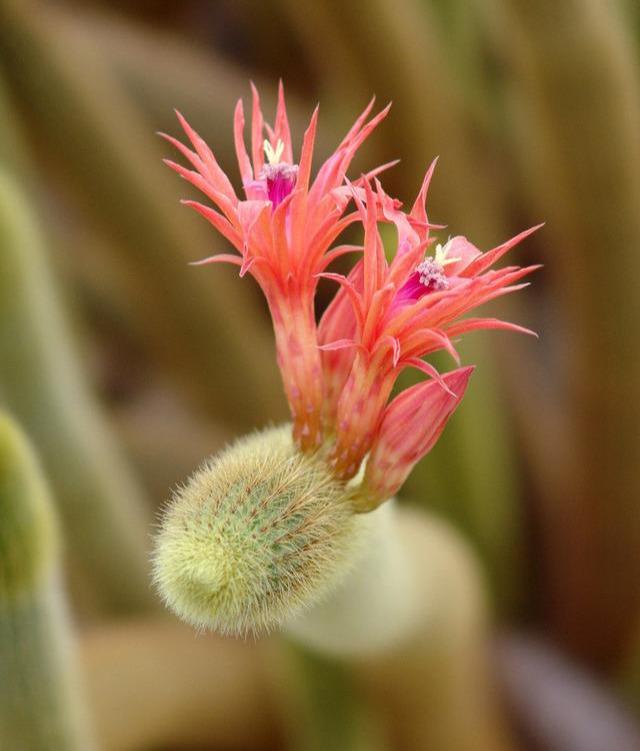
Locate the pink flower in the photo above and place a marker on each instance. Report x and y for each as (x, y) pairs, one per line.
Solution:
(387, 317)
(282, 230)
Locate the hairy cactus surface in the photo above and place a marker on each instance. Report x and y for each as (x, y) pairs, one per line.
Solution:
(257, 534)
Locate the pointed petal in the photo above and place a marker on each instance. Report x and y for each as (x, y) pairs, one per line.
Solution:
(484, 261)
(219, 258)
(219, 222)
(360, 120)
(281, 126)
(306, 153)
(257, 127)
(418, 211)
(376, 171)
(246, 173)
(211, 168)
(411, 425)
(199, 182)
(475, 324)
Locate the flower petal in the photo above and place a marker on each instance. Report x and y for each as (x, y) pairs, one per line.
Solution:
(246, 172)
(411, 425)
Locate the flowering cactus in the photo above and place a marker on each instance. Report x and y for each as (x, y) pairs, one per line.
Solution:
(232, 517)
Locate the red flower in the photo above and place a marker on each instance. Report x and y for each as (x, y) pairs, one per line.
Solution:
(282, 231)
(388, 316)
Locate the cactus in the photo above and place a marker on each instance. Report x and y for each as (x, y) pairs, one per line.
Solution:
(39, 709)
(256, 534)
(99, 501)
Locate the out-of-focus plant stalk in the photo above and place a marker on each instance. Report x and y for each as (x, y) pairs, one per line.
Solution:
(162, 71)
(410, 618)
(12, 150)
(324, 704)
(110, 156)
(574, 104)
(41, 381)
(151, 683)
(335, 59)
(40, 701)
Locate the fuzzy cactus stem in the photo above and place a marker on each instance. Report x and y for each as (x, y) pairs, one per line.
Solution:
(254, 536)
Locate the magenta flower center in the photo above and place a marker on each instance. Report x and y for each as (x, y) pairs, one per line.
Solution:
(279, 179)
(428, 277)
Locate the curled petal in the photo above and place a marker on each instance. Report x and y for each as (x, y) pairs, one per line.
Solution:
(430, 370)
(350, 290)
(396, 348)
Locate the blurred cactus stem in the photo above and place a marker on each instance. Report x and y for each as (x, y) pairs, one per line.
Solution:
(12, 149)
(264, 537)
(40, 706)
(41, 381)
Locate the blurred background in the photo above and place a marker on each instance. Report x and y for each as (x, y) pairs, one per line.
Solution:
(125, 366)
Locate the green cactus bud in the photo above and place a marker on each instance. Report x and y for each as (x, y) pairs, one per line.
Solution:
(257, 534)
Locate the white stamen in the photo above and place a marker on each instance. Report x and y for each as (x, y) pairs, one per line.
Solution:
(273, 155)
(442, 252)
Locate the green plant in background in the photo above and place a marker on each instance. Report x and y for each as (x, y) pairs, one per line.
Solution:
(115, 172)
(42, 382)
(40, 699)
